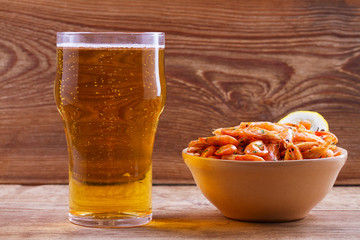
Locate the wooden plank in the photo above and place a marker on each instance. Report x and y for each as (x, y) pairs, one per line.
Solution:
(226, 62)
(40, 212)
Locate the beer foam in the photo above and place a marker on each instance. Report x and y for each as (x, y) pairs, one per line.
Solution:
(104, 45)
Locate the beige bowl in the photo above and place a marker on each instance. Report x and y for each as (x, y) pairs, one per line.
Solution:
(265, 191)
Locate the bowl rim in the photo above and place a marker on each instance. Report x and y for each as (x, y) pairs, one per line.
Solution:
(343, 154)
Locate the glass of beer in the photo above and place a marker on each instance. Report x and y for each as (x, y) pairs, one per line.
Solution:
(110, 91)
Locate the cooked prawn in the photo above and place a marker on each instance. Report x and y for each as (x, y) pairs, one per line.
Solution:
(193, 149)
(256, 148)
(264, 125)
(273, 152)
(228, 157)
(196, 144)
(336, 151)
(234, 132)
(240, 150)
(248, 158)
(327, 153)
(219, 140)
(262, 134)
(226, 150)
(266, 141)
(293, 153)
(327, 136)
(304, 136)
(306, 124)
(303, 146)
(316, 151)
(208, 152)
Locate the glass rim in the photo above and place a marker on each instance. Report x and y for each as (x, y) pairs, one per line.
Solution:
(111, 39)
(111, 33)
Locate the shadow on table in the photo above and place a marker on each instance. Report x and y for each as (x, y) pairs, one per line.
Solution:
(214, 224)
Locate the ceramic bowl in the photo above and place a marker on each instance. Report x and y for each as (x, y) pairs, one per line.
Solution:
(265, 191)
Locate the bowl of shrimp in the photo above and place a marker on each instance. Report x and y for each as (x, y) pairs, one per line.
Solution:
(263, 171)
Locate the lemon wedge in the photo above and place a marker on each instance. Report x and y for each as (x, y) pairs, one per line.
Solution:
(318, 122)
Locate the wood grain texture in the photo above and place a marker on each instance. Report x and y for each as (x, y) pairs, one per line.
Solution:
(226, 62)
(180, 212)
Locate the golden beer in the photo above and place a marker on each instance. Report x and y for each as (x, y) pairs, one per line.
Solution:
(110, 99)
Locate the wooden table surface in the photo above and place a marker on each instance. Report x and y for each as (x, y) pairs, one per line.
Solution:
(40, 212)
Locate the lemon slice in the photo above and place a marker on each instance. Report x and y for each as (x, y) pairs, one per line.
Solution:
(318, 122)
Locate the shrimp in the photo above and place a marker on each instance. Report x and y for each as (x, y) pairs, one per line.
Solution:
(336, 151)
(209, 151)
(306, 124)
(262, 134)
(283, 133)
(303, 146)
(197, 144)
(193, 150)
(293, 153)
(234, 132)
(287, 136)
(327, 153)
(219, 140)
(264, 125)
(266, 141)
(273, 152)
(240, 150)
(248, 158)
(294, 126)
(291, 125)
(327, 136)
(218, 131)
(303, 136)
(316, 151)
(228, 157)
(256, 148)
(226, 150)
(243, 141)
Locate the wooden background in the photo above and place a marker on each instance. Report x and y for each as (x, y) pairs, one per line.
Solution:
(226, 62)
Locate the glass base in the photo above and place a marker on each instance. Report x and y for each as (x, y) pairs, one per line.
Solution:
(126, 221)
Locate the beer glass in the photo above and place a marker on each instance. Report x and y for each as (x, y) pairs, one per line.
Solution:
(110, 92)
